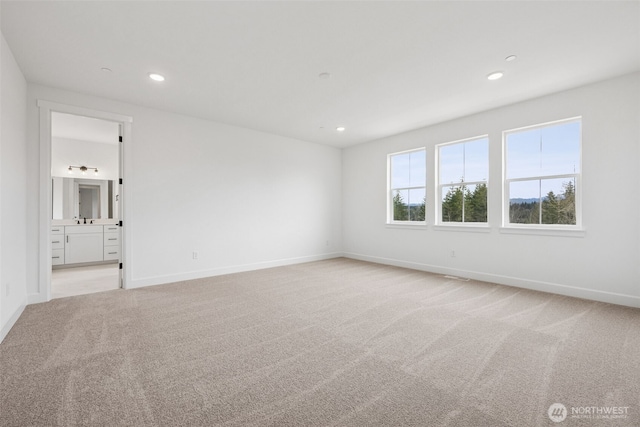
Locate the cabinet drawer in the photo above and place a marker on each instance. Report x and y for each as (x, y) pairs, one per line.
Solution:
(111, 228)
(57, 229)
(111, 239)
(57, 241)
(57, 257)
(111, 253)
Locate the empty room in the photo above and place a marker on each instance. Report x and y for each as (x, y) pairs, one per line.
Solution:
(320, 213)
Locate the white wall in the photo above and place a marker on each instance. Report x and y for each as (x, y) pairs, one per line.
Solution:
(71, 152)
(242, 199)
(13, 202)
(602, 265)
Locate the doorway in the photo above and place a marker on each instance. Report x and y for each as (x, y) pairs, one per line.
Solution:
(85, 157)
(82, 239)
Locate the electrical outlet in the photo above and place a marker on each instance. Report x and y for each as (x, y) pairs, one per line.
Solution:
(195, 254)
(453, 254)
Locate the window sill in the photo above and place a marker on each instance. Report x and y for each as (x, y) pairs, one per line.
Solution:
(408, 226)
(545, 231)
(478, 228)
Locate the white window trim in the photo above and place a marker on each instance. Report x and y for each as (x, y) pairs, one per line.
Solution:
(558, 230)
(476, 227)
(574, 230)
(403, 224)
(443, 225)
(414, 225)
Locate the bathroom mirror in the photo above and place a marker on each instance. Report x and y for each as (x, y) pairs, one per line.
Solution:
(84, 198)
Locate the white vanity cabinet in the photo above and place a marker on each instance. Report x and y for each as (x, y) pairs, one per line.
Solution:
(57, 245)
(111, 242)
(90, 243)
(83, 243)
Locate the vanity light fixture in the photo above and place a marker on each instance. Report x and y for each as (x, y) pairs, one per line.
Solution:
(156, 77)
(83, 169)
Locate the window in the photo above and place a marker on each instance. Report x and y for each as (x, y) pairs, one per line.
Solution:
(464, 169)
(542, 173)
(407, 182)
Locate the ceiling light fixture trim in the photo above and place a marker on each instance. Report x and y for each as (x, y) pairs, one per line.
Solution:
(156, 77)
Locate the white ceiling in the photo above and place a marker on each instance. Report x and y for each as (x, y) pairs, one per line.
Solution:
(395, 66)
(84, 128)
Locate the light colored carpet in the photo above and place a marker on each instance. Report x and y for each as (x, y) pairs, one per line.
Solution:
(330, 343)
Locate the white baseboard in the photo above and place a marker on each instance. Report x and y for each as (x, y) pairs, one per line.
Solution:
(12, 321)
(554, 288)
(36, 298)
(171, 278)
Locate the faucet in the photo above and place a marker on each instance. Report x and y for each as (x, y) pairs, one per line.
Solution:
(85, 219)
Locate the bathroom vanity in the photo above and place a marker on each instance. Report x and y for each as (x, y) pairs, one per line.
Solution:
(84, 243)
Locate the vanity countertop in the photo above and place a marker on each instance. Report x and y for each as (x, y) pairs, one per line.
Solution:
(110, 221)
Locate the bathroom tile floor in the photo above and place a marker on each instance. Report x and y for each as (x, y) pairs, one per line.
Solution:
(66, 282)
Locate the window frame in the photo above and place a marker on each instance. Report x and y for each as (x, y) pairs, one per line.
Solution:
(577, 176)
(391, 190)
(439, 185)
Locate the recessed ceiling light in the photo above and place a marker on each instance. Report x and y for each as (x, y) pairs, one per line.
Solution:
(156, 77)
(510, 58)
(341, 128)
(106, 70)
(495, 75)
(324, 76)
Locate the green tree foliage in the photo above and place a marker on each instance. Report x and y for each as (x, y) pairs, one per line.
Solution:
(402, 211)
(555, 208)
(550, 209)
(524, 213)
(560, 209)
(417, 212)
(475, 206)
(452, 204)
(567, 211)
(400, 208)
(463, 205)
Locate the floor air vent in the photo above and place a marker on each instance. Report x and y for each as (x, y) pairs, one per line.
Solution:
(462, 279)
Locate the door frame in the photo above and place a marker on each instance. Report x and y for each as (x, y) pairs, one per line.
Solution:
(45, 211)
